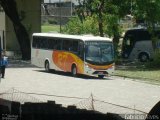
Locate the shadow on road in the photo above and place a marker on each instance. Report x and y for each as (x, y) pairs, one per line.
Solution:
(19, 64)
(67, 74)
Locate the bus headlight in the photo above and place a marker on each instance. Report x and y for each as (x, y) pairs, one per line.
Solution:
(88, 68)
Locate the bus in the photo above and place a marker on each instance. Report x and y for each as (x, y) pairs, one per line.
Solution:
(137, 44)
(89, 55)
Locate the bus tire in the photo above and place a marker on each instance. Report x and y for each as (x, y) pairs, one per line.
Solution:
(47, 68)
(74, 70)
(143, 57)
(101, 76)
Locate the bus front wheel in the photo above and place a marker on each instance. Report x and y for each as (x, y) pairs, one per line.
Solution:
(74, 71)
(143, 57)
(47, 68)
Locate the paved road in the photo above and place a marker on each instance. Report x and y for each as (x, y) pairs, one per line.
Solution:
(125, 92)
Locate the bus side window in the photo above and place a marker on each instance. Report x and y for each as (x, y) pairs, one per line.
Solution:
(39, 43)
(50, 43)
(58, 44)
(45, 43)
(81, 50)
(34, 42)
(67, 44)
(129, 40)
(75, 46)
(42, 43)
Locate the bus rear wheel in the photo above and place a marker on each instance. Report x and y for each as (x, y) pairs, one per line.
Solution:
(47, 68)
(143, 57)
(74, 71)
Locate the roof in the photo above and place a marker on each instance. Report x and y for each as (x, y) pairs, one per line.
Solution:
(81, 37)
(141, 30)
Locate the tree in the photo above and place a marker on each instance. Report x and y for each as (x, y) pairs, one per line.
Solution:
(10, 9)
(106, 14)
(76, 26)
(148, 11)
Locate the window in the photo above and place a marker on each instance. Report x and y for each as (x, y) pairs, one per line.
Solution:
(75, 46)
(34, 42)
(81, 49)
(129, 40)
(58, 44)
(51, 43)
(143, 35)
(67, 45)
(70, 45)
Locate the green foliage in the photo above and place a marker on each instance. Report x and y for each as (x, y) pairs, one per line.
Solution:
(156, 61)
(157, 58)
(100, 17)
(147, 10)
(75, 26)
(52, 21)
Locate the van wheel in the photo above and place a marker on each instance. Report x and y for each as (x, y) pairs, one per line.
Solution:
(143, 57)
(47, 68)
(74, 71)
(101, 76)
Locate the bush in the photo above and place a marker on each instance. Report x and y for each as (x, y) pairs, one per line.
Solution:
(52, 21)
(75, 26)
(156, 60)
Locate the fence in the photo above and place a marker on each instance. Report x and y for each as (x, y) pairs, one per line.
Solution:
(90, 103)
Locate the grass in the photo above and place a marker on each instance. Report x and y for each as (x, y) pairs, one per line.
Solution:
(50, 28)
(138, 72)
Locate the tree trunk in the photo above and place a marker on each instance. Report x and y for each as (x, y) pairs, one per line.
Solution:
(100, 25)
(10, 9)
(100, 21)
(24, 41)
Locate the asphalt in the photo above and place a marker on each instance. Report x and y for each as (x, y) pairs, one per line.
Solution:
(113, 94)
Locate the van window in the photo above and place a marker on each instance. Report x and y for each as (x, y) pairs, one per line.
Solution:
(143, 35)
(129, 40)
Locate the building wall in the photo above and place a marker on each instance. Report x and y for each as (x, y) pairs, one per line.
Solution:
(30, 14)
(2, 28)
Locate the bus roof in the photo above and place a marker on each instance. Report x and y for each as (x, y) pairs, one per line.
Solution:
(78, 37)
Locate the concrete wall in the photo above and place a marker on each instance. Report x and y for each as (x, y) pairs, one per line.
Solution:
(30, 13)
(2, 27)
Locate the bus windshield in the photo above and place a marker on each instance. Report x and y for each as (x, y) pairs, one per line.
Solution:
(99, 52)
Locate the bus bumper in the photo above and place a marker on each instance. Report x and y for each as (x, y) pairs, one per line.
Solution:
(93, 72)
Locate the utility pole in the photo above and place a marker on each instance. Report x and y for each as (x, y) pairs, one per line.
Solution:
(131, 7)
(71, 8)
(60, 16)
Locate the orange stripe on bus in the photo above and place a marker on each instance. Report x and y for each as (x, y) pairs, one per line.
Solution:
(65, 60)
(96, 67)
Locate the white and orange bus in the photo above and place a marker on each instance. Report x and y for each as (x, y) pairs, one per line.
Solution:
(89, 55)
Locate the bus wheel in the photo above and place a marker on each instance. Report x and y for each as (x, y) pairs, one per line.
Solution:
(47, 68)
(74, 71)
(143, 57)
(101, 76)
